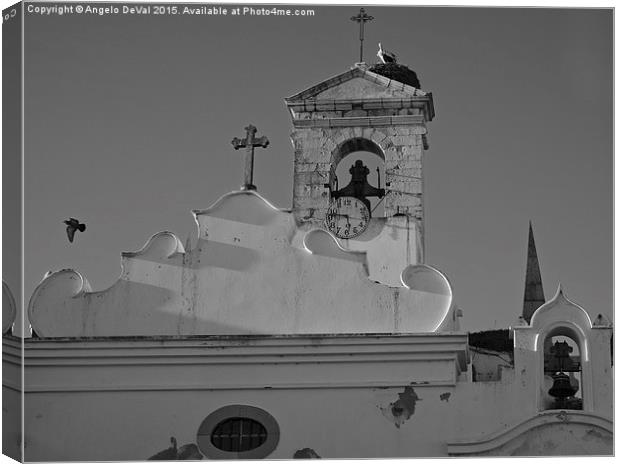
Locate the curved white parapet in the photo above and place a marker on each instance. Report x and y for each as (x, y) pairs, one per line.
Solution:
(9, 308)
(560, 307)
(321, 243)
(161, 245)
(424, 278)
(252, 270)
(50, 300)
(427, 281)
(550, 431)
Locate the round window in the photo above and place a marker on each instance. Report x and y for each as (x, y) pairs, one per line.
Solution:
(238, 434)
(238, 431)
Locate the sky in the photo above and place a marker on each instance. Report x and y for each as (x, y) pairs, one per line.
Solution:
(129, 118)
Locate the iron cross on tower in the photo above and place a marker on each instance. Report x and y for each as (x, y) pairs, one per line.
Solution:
(361, 18)
(249, 143)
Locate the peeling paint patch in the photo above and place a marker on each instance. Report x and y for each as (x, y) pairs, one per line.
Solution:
(445, 396)
(563, 416)
(306, 453)
(403, 408)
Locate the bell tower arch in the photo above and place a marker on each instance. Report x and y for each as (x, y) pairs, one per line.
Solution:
(379, 110)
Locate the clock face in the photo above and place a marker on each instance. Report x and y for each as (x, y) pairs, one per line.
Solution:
(347, 217)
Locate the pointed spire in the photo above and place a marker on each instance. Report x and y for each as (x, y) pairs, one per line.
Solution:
(534, 296)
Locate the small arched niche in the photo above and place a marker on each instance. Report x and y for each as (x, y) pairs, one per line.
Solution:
(371, 155)
(562, 387)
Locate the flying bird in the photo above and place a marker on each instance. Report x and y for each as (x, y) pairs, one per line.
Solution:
(385, 56)
(73, 225)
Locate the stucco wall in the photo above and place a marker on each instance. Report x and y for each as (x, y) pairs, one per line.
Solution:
(354, 396)
(488, 364)
(12, 391)
(11, 423)
(335, 423)
(340, 396)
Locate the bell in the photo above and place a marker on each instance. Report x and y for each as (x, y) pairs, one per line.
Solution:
(562, 387)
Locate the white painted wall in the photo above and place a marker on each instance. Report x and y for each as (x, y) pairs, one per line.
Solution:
(122, 400)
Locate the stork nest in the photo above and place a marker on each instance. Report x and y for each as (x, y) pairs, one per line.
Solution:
(397, 72)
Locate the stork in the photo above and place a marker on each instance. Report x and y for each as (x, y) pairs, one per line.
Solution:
(385, 56)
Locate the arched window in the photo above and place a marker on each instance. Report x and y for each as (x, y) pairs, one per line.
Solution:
(563, 386)
(371, 156)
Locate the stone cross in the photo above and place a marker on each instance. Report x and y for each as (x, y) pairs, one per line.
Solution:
(249, 143)
(361, 18)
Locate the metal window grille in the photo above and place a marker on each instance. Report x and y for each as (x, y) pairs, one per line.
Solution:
(238, 434)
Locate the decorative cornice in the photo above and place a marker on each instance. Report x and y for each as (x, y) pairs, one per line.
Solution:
(12, 365)
(179, 363)
(365, 121)
(344, 342)
(424, 103)
(359, 103)
(226, 386)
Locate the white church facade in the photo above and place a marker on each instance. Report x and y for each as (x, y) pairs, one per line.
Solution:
(316, 331)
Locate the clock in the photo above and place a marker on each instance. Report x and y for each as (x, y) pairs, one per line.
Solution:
(347, 217)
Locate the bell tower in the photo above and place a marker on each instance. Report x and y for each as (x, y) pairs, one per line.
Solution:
(379, 110)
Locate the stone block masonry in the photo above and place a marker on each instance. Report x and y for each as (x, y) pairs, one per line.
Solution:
(319, 151)
(359, 111)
